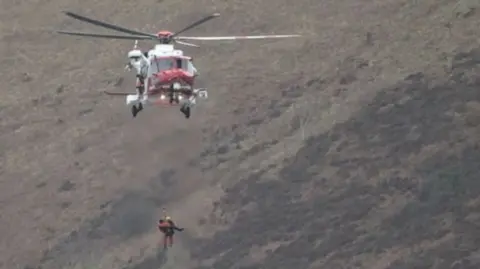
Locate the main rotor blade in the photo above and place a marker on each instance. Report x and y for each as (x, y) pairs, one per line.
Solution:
(117, 93)
(233, 37)
(214, 15)
(107, 25)
(130, 37)
(186, 44)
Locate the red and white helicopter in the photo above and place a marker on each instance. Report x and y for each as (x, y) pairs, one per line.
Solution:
(164, 74)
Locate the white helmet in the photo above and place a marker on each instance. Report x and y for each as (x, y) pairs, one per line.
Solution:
(135, 54)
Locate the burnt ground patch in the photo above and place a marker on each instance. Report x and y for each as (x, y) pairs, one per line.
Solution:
(377, 156)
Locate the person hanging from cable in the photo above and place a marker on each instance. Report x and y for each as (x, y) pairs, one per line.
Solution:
(167, 227)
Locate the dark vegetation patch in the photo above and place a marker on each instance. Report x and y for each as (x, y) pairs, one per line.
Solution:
(166, 178)
(261, 111)
(67, 185)
(132, 215)
(330, 227)
(256, 149)
(156, 261)
(41, 185)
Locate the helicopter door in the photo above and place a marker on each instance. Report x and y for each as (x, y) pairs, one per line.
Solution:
(188, 66)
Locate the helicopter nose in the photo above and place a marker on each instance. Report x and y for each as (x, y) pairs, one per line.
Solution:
(160, 77)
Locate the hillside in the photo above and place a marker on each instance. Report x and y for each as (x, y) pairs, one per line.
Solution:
(355, 146)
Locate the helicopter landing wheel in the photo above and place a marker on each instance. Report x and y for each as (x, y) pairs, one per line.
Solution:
(136, 109)
(185, 109)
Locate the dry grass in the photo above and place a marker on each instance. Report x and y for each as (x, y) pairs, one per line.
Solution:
(323, 130)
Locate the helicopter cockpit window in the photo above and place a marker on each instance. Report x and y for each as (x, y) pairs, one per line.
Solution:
(161, 64)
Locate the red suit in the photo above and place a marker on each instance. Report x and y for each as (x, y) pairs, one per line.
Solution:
(168, 228)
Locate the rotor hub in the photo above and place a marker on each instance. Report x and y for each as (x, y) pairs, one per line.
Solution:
(165, 37)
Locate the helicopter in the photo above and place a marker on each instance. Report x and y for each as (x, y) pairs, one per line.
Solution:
(164, 75)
